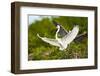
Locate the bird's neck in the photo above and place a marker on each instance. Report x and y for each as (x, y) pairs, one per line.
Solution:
(57, 33)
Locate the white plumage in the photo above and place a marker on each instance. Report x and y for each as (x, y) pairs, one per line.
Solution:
(63, 42)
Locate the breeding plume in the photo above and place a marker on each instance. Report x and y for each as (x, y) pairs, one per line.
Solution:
(62, 42)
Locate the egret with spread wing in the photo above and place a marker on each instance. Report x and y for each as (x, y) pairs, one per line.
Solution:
(63, 42)
(62, 32)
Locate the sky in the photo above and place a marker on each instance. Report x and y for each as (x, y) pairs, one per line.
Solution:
(33, 18)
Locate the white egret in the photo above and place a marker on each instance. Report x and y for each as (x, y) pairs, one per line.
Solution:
(63, 42)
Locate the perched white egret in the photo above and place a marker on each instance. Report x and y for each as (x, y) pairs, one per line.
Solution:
(63, 42)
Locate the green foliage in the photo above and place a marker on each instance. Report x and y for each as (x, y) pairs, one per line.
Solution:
(39, 50)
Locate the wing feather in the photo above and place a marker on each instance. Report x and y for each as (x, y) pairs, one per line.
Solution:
(70, 36)
(48, 40)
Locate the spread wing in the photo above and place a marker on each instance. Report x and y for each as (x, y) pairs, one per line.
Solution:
(71, 35)
(48, 40)
(62, 31)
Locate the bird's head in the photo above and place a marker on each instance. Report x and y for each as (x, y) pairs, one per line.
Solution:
(58, 27)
